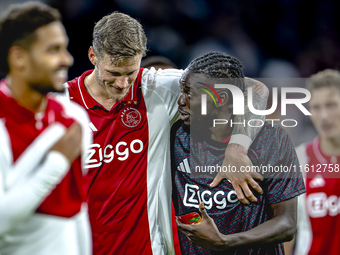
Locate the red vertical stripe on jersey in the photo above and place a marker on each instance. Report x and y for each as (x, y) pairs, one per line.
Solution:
(117, 165)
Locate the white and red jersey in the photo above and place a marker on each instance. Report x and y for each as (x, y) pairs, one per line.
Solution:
(129, 177)
(319, 208)
(41, 209)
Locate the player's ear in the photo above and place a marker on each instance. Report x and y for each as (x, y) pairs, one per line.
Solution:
(17, 58)
(224, 97)
(91, 56)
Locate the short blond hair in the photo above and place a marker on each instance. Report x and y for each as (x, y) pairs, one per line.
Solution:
(325, 78)
(119, 36)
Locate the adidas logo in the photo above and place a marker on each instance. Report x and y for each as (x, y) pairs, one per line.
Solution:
(92, 127)
(184, 166)
(317, 182)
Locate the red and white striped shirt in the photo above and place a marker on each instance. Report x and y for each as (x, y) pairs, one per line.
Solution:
(40, 200)
(319, 208)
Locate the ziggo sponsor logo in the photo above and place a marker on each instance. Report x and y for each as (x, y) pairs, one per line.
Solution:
(193, 196)
(97, 155)
(319, 205)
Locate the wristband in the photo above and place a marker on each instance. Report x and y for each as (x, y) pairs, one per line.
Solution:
(240, 139)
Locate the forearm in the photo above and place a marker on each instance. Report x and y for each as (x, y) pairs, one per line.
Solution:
(260, 96)
(276, 230)
(280, 228)
(21, 201)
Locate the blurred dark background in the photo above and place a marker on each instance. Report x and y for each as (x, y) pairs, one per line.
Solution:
(272, 38)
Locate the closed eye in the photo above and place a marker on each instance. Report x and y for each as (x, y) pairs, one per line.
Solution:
(117, 74)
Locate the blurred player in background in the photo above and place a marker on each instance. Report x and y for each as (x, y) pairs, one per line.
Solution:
(130, 109)
(40, 199)
(318, 219)
(157, 62)
(231, 227)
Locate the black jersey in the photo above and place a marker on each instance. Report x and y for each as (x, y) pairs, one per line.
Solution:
(272, 147)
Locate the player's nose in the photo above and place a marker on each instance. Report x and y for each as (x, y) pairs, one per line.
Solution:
(122, 82)
(66, 58)
(324, 114)
(181, 100)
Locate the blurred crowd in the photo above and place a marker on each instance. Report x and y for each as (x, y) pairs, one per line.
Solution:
(272, 38)
(281, 38)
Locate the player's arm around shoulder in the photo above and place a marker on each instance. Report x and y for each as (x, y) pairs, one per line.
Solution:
(241, 139)
(163, 84)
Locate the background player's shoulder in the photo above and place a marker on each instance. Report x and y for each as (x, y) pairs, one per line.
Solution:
(6, 157)
(72, 83)
(72, 109)
(4, 100)
(72, 87)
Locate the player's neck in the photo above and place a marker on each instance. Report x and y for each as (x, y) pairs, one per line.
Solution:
(330, 146)
(97, 93)
(26, 96)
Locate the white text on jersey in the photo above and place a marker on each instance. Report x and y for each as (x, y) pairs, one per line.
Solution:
(96, 155)
(193, 196)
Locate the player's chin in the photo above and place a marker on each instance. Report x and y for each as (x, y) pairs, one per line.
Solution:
(59, 78)
(47, 87)
(331, 135)
(187, 122)
(117, 97)
(58, 86)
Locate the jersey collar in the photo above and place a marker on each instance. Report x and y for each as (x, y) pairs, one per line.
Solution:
(4, 88)
(89, 102)
(322, 158)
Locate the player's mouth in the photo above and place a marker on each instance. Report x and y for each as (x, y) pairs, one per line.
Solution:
(184, 115)
(61, 75)
(117, 89)
(326, 127)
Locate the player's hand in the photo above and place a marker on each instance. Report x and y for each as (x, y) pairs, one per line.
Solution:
(70, 143)
(236, 155)
(205, 233)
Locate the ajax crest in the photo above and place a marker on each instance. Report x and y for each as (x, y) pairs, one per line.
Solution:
(130, 117)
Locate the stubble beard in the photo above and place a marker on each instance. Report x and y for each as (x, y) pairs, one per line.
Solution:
(105, 90)
(44, 89)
